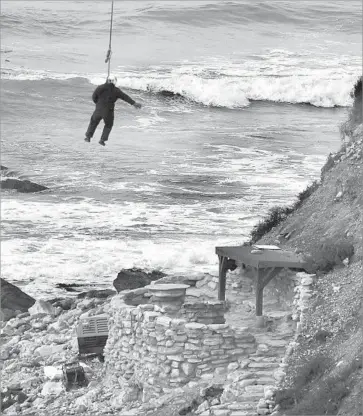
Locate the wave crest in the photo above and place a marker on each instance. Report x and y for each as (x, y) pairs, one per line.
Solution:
(219, 90)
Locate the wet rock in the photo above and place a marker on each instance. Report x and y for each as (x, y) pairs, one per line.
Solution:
(69, 287)
(23, 186)
(6, 401)
(13, 300)
(12, 396)
(99, 294)
(169, 94)
(135, 278)
(65, 304)
(21, 397)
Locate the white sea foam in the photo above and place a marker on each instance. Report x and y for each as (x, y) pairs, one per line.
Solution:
(231, 86)
(42, 264)
(81, 239)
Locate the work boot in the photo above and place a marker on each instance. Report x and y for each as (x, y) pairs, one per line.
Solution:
(101, 142)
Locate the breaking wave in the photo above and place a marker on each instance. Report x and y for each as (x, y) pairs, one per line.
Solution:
(218, 90)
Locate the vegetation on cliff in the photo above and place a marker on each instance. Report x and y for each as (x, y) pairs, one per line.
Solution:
(324, 373)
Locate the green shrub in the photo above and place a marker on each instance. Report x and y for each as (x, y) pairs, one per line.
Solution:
(323, 400)
(274, 217)
(355, 115)
(326, 395)
(330, 254)
(321, 335)
(309, 369)
(306, 194)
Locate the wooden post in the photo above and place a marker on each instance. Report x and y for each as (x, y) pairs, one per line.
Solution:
(222, 278)
(259, 292)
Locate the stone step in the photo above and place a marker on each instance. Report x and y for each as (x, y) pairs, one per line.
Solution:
(266, 380)
(272, 343)
(248, 397)
(262, 366)
(229, 413)
(264, 359)
(261, 374)
(242, 406)
(226, 412)
(271, 353)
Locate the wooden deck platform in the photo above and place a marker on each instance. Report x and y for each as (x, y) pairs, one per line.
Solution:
(266, 264)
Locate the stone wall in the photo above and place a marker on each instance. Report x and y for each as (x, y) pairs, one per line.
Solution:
(150, 350)
(304, 284)
(278, 294)
(136, 297)
(204, 312)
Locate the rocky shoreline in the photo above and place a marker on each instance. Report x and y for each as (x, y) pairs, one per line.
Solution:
(44, 337)
(39, 338)
(9, 182)
(37, 344)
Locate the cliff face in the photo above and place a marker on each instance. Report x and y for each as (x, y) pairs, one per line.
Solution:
(328, 227)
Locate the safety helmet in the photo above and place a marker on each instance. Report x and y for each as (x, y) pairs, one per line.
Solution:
(112, 79)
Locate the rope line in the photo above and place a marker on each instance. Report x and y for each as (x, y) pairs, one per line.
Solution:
(109, 52)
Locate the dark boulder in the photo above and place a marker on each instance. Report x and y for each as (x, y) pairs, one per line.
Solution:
(128, 279)
(65, 303)
(12, 396)
(84, 290)
(69, 287)
(99, 294)
(170, 94)
(24, 186)
(13, 300)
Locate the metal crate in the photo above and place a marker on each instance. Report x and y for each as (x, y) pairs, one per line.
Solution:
(92, 334)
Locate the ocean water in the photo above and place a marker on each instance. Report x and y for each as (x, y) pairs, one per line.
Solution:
(262, 87)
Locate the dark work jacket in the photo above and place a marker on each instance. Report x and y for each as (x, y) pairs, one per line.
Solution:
(106, 95)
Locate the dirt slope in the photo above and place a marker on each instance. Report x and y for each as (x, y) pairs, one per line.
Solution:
(328, 226)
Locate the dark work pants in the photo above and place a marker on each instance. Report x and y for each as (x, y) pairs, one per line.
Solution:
(97, 116)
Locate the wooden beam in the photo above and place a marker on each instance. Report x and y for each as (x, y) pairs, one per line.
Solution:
(266, 275)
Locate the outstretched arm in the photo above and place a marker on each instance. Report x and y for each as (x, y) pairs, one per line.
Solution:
(125, 97)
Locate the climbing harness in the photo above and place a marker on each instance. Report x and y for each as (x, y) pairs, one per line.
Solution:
(109, 52)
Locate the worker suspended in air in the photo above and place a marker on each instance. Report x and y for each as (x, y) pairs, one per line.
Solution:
(104, 97)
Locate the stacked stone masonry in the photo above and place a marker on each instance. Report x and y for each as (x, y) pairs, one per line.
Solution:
(204, 313)
(251, 387)
(159, 352)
